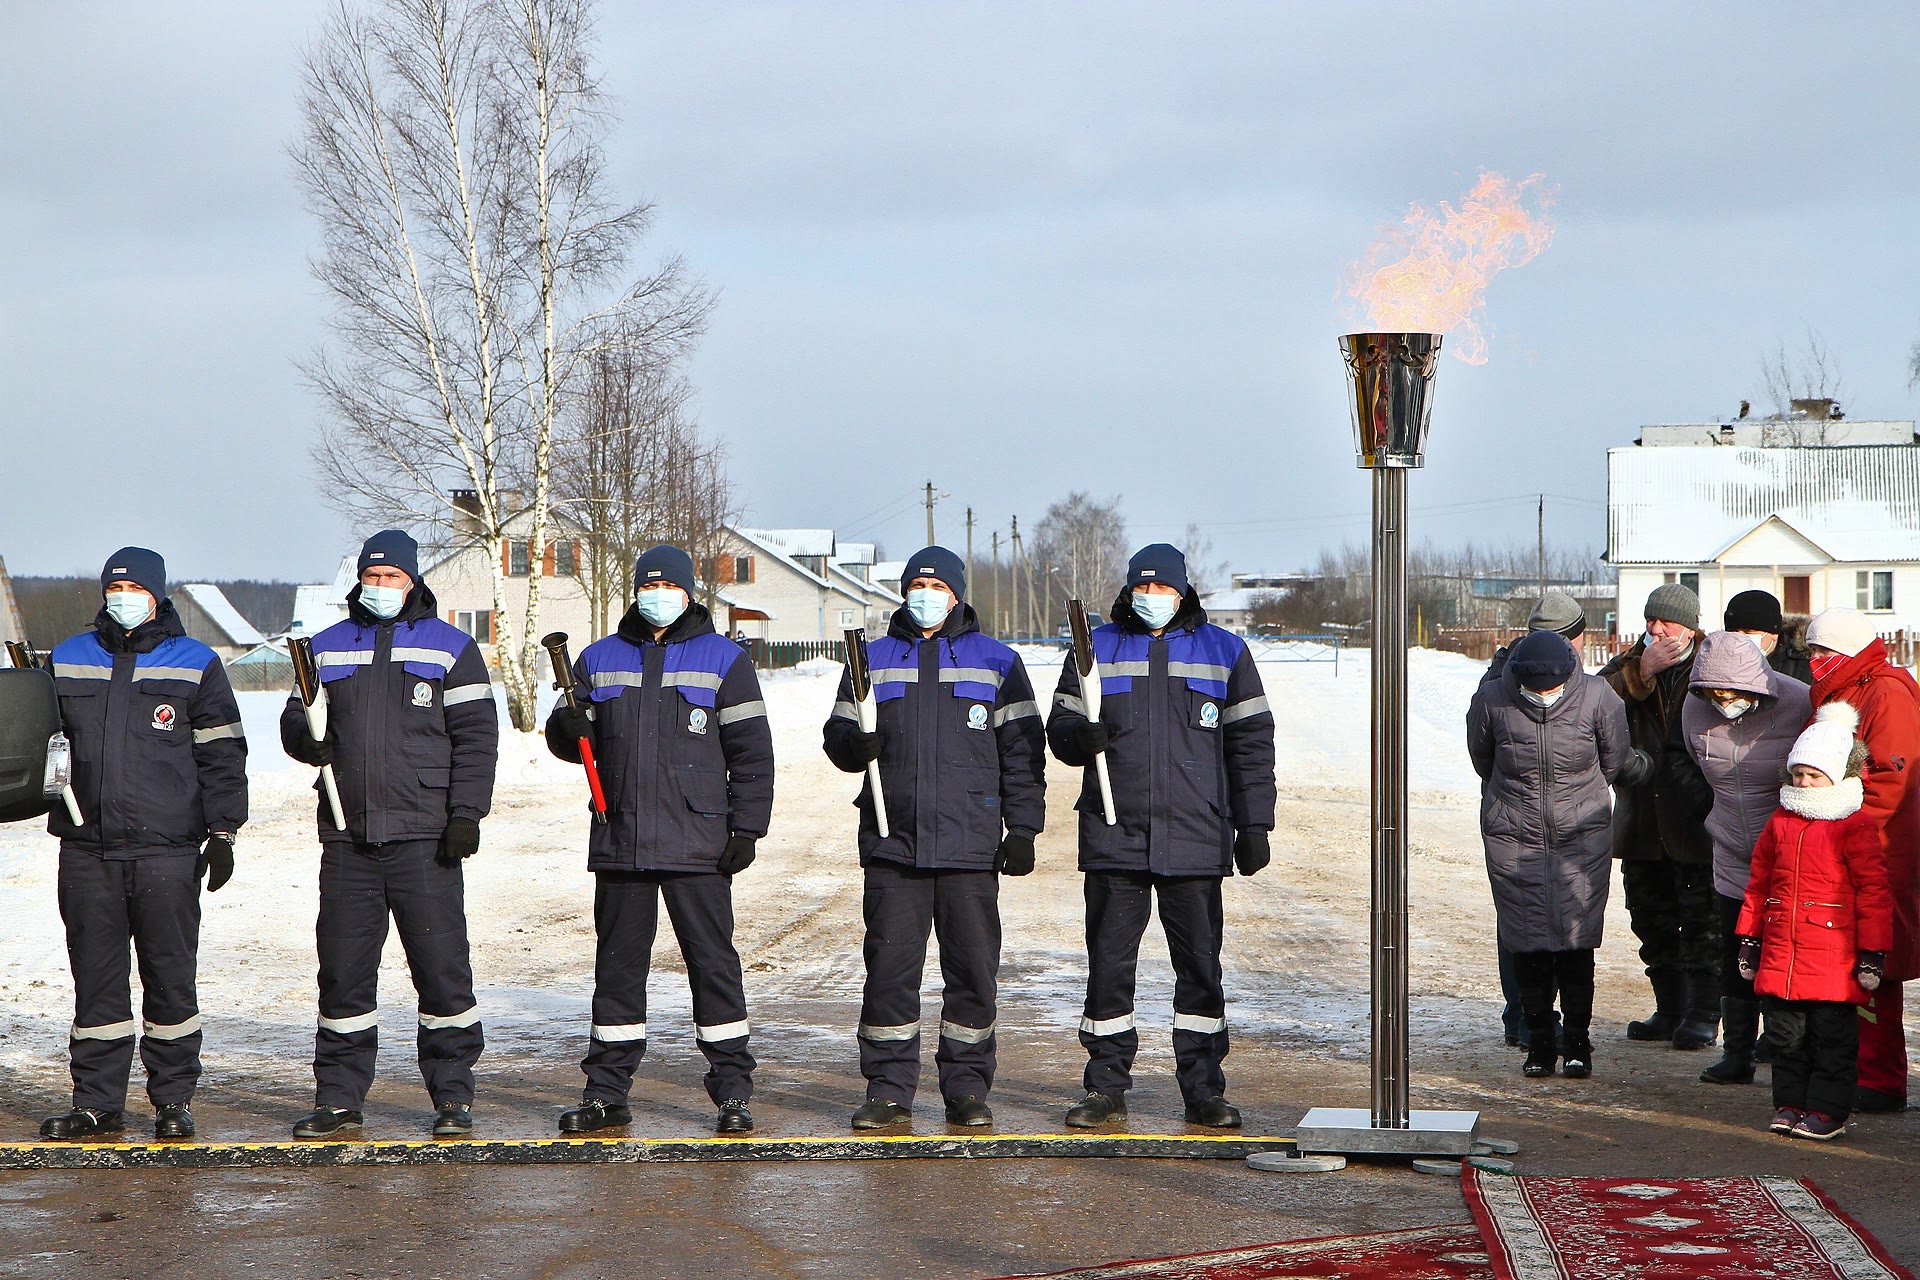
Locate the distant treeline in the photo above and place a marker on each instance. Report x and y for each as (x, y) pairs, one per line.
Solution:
(55, 608)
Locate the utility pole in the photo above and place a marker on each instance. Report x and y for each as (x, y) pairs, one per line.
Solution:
(1540, 530)
(930, 541)
(969, 544)
(1017, 619)
(999, 623)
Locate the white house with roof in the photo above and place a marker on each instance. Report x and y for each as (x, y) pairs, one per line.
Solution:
(210, 618)
(318, 605)
(799, 584)
(1726, 508)
(462, 574)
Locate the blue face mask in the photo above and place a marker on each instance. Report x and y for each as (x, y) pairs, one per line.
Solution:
(929, 606)
(661, 606)
(1155, 608)
(382, 602)
(129, 608)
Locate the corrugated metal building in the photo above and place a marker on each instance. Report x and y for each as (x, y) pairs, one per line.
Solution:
(1820, 525)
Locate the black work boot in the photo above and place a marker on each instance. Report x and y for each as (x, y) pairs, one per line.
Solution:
(326, 1122)
(1215, 1113)
(968, 1110)
(1741, 1018)
(734, 1117)
(1542, 1052)
(878, 1113)
(1699, 1029)
(172, 1120)
(1669, 1004)
(1096, 1109)
(595, 1113)
(82, 1123)
(1576, 1053)
(453, 1120)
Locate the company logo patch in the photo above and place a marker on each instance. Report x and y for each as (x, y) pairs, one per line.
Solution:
(697, 720)
(119, 570)
(977, 716)
(422, 694)
(1149, 573)
(376, 555)
(164, 717)
(654, 573)
(1209, 715)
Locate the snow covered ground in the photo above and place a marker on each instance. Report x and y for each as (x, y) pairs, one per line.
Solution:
(529, 895)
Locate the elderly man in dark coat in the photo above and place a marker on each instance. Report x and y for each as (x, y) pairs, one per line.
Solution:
(1547, 739)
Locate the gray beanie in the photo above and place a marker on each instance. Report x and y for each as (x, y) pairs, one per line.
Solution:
(1558, 611)
(1672, 602)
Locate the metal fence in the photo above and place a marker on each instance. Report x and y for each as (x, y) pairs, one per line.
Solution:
(1480, 643)
(778, 655)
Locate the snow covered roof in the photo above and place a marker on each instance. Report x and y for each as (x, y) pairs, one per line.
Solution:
(795, 542)
(871, 588)
(220, 611)
(1778, 433)
(1236, 599)
(1688, 504)
(318, 605)
(840, 582)
(854, 553)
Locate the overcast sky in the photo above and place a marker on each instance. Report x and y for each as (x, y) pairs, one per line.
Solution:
(1012, 248)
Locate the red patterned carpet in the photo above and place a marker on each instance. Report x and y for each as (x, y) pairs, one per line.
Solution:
(1670, 1229)
(1430, 1253)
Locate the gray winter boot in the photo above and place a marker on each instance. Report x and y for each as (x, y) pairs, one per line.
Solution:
(1740, 1020)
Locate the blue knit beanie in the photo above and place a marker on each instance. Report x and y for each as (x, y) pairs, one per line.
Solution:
(393, 549)
(937, 562)
(664, 564)
(1158, 562)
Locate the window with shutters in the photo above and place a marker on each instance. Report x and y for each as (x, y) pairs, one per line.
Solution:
(477, 623)
(743, 569)
(519, 562)
(565, 553)
(1873, 590)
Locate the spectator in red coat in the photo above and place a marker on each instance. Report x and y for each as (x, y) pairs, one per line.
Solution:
(1850, 665)
(1815, 926)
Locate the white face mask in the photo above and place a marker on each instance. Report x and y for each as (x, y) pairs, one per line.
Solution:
(382, 602)
(1735, 709)
(929, 606)
(1155, 608)
(661, 606)
(129, 608)
(1543, 699)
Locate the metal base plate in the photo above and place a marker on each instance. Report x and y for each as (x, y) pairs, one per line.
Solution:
(1350, 1130)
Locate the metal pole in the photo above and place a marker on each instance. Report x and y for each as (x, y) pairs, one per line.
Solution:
(1390, 1047)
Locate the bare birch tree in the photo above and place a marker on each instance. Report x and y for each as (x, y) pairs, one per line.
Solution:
(1079, 552)
(451, 150)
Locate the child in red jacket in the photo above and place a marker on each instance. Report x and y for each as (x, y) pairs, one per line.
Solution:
(1816, 925)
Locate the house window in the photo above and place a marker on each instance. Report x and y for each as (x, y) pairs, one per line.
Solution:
(743, 569)
(477, 623)
(846, 617)
(1873, 590)
(518, 561)
(1691, 581)
(563, 561)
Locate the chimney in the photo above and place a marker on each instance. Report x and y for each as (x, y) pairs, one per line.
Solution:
(466, 514)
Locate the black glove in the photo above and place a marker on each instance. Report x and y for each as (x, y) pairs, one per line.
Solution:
(307, 750)
(216, 861)
(1747, 958)
(1015, 857)
(1869, 967)
(1637, 769)
(1090, 737)
(461, 840)
(1251, 851)
(571, 723)
(864, 747)
(738, 855)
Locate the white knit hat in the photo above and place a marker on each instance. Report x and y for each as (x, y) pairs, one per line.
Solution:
(1827, 744)
(1842, 630)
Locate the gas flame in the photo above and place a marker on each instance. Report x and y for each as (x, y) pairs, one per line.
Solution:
(1429, 273)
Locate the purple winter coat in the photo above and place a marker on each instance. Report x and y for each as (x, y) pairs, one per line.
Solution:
(1742, 759)
(1546, 810)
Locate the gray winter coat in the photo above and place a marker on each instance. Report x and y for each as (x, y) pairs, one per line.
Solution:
(1546, 814)
(1742, 759)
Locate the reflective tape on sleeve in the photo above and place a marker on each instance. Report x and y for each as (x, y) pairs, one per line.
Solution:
(905, 1031)
(1199, 1022)
(1015, 711)
(965, 1035)
(845, 711)
(178, 1031)
(466, 693)
(743, 711)
(1241, 710)
(437, 1022)
(725, 1031)
(106, 1031)
(219, 731)
(1070, 702)
(352, 1026)
(621, 1033)
(1107, 1026)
